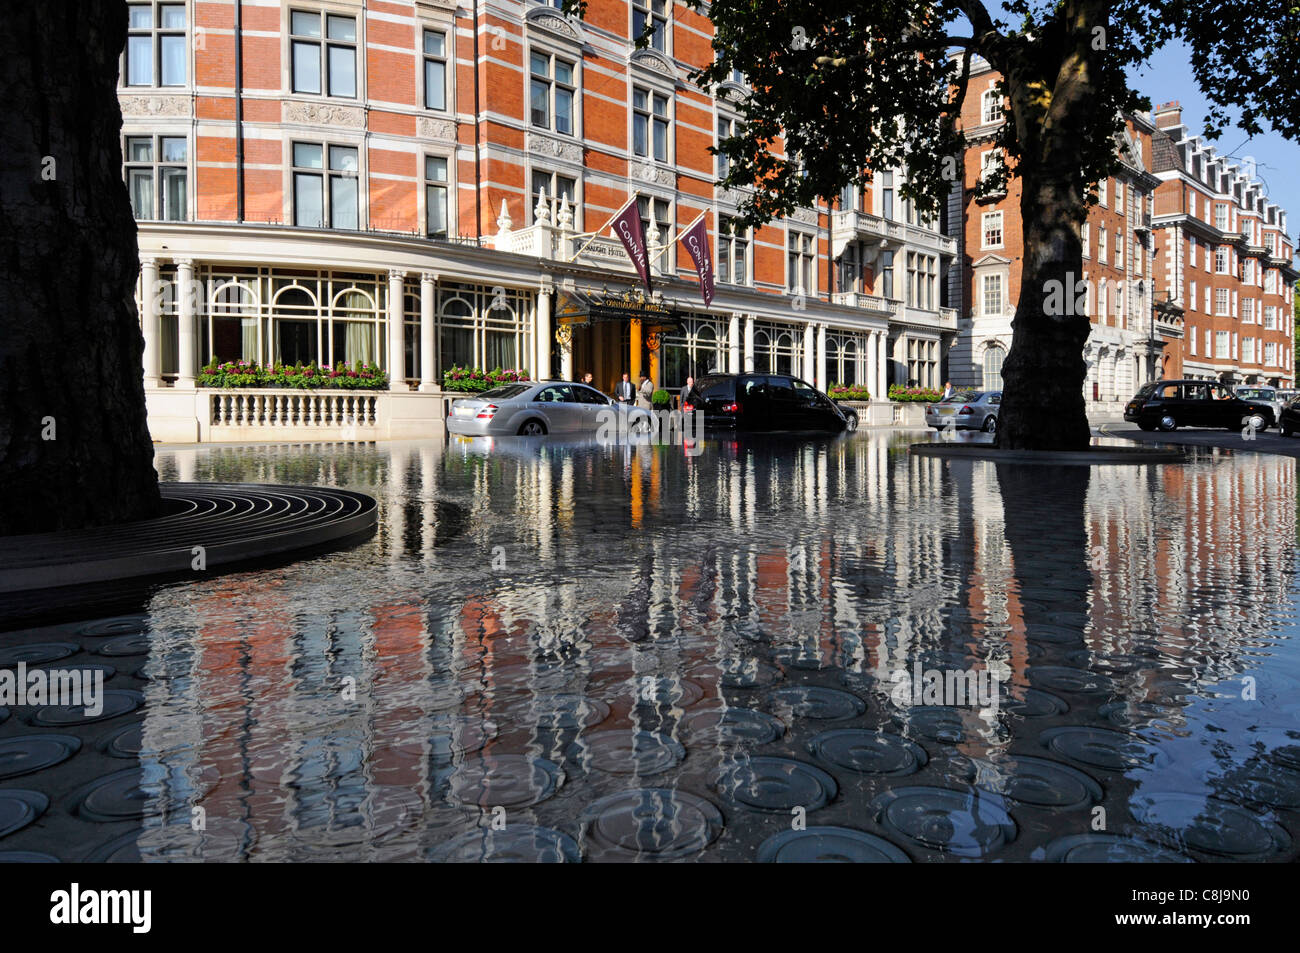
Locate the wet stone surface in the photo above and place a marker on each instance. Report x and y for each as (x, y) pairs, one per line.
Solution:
(557, 653)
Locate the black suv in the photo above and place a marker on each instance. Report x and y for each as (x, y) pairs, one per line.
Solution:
(766, 402)
(1168, 405)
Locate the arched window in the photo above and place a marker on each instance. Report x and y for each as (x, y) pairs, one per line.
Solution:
(784, 354)
(456, 340)
(353, 329)
(500, 338)
(849, 360)
(993, 357)
(706, 351)
(762, 353)
(296, 326)
(232, 324)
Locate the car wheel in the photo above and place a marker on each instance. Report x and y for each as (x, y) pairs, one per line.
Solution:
(1168, 424)
(532, 428)
(990, 425)
(1257, 423)
(851, 420)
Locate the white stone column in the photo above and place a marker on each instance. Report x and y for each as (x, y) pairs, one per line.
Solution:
(187, 322)
(541, 369)
(428, 335)
(809, 355)
(882, 364)
(396, 331)
(733, 344)
(150, 324)
(749, 343)
(821, 381)
(566, 361)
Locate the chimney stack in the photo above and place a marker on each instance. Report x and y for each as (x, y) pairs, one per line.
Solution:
(1169, 115)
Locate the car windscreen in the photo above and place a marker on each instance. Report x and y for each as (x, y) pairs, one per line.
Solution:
(964, 397)
(1147, 390)
(504, 392)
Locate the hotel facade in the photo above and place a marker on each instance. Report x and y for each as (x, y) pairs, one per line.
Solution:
(422, 184)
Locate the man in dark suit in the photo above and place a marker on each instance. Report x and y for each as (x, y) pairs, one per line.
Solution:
(624, 392)
(686, 391)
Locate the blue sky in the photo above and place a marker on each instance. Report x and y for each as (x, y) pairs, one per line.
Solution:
(1169, 76)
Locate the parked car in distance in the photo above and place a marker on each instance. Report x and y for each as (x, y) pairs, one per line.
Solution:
(966, 410)
(1168, 405)
(537, 408)
(766, 403)
(1264, 395)
(1289, 422)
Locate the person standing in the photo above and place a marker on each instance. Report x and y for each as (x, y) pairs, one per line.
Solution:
(685, 392)
(645, 393)
(947, 390)
(587, 379)
(624, 392)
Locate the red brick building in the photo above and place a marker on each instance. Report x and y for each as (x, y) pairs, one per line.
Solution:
(334, 180)
(1224, 263)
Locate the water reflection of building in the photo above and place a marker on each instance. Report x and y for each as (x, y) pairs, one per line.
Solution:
(629, 570)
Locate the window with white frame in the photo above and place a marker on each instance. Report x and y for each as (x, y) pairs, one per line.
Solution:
(655, 213)
(323, 49)
(1270, 354)
(1248, 350)
(1221, 216)
(649, 124)
(992, 229)
(885, 278)
(1221, 260)
(1101, 245)
(922, 276)
(650, 19)
(435, 196)
(1119, 196)
(887, 195)
(156, 50)
(1270, 317)
(556, 187)
(733, 252)
(1206, 309)
(1119, 248)
(1220, 344)
(1221, 301)
(1085, 236)
(435, 70)
(1103, 191)
(993, 359)
(1207, 342)
(727, 128)
(325, 190)
(1270, 281)
(1248, 271)
(799, 263)
(1247, 310)
(157, 176)
(991, 105)
(1234, 345)
(991, 168)
(1191, 337)
(551, 92)
(991, 294)
(1192, 297)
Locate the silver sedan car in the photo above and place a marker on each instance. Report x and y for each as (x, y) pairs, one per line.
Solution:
(541, 407)
(966, 410)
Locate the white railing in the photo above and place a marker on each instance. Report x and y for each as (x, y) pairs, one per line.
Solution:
(856, 299)
(284, 409)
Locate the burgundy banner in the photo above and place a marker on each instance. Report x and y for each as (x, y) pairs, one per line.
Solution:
(697, 243)
(627, 226)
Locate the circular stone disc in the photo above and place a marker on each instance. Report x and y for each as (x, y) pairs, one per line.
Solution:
(18, 808)
(653, 823)
(27, 753)
(505, 780)
(1109, 848)
(868, 752)
(623, 751)
(814, 701)
(819, 845)
(774, 784)
(967, 823)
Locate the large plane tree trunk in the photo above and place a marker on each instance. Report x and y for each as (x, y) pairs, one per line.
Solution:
(74, 442)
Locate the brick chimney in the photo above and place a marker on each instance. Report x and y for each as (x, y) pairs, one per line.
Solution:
(1169, 115)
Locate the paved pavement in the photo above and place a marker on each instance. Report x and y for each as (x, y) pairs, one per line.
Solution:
(1268, 441)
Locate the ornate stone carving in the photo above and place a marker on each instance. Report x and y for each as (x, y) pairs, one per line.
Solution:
(805, 216)
(324, 114)
(146, 105)
(442, 130)
(550, 20)
(653, 60)
(649, 172)
(553, 147)
(564, 336)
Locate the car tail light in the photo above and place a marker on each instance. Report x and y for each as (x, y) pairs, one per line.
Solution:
(966, 410)
(732, 408)
(688, 408)
(488, 412)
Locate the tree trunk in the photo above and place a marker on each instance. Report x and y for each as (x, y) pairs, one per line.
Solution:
(1042, 395)
(74, 442)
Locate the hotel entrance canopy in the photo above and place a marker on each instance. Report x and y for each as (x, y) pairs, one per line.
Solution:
(595, 307)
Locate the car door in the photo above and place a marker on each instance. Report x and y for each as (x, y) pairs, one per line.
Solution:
(1194, 407)
(592, 403)
(814, 411)
(561, 409)
(783, 407)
